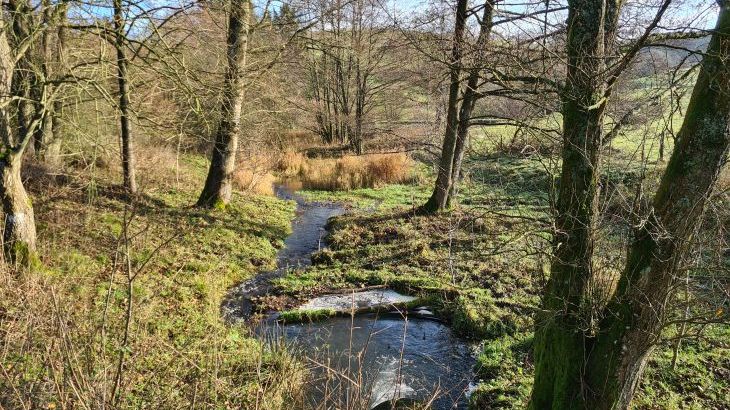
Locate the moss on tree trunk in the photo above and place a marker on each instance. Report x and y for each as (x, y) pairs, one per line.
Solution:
(19, 234)
(590, 356)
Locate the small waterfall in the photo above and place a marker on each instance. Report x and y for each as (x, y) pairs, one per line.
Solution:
(389, 385)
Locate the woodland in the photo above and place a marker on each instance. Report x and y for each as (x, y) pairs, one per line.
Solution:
(365, 204)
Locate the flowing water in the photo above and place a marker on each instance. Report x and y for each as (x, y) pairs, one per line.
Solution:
(308, 232)
(382, 358)
(362, 360)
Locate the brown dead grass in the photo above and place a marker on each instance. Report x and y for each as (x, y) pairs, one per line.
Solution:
(298, 140)
(255, 172)
(348, 172)
(261, 183)
(292, 164)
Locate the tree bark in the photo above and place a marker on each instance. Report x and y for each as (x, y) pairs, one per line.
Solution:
(19, 236)
(359, 114)
(361, 76)
(601, 369)
(127, 149)
(662, 244)
(469, 99)
(218, 184)
(50, 143)
(25, 83)
(438, 200)
(43, 133)
(360, 96)
(567, 304)
(7, 67)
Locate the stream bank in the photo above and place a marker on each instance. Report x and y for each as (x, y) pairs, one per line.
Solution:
(307, 237)
(362, 359)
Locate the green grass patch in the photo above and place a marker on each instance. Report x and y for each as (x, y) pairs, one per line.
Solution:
(306, 316)
(184, 260)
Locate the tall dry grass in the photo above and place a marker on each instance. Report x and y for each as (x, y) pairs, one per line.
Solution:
(261, 183)
(349, 172)
(254, 172)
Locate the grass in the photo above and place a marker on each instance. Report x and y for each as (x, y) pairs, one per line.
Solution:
(305, 316)
(63, 326)
(700, 380)
(472, 261)
(481, 267)
(383, 198)
(347, 172)
(475, 271)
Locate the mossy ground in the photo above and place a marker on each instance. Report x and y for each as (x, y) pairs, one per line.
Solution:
(63, 325)
(305, 316)
(482, 265)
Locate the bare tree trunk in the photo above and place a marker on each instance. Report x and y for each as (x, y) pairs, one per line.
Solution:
(52, 134)
(52, 153)
(25, 80)
(360, 77)
(19, 236)
(438, 200)
(662, 244)
(359, 113)
(41, 136)
(218, 184)
(576, 369)
(662, 140)
(469, 99)
(361, 80)
(128, 158)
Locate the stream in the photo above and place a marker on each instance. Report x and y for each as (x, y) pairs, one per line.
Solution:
(364, 360)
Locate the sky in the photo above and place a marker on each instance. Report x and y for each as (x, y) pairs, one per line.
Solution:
(699, 13)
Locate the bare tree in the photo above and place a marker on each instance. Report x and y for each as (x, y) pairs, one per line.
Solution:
(218, 184)
(125, 125)
(17, 79)
(470, 96)
(47, 142)
(351, 67)
(331, 71)
(438, 200)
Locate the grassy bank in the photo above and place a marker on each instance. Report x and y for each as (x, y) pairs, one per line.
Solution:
(73, 338)
(478, 266)
(482, 266)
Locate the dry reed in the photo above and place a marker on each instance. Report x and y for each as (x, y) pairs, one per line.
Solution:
(348, 172)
